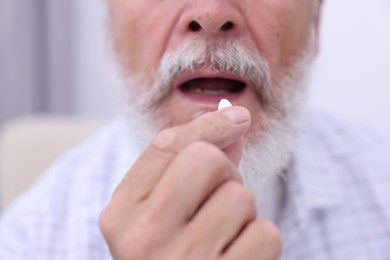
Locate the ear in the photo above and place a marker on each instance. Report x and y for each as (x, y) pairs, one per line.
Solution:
(318, 8)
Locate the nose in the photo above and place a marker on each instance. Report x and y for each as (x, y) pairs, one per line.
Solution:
(195, 26)
(212, 17)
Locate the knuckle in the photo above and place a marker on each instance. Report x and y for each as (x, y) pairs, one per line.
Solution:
(165, 141)
(131, 249)
(272, 233)
(211, 156)
(128, 238)
(191, 245)
(105, 223)
(266, 239)
(158, 206)
(136, 241)
(187, 249)
(243, 196)
(108, 221)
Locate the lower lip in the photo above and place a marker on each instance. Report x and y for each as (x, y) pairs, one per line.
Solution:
(204, 98)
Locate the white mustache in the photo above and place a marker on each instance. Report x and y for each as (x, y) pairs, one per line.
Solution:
(227, 56)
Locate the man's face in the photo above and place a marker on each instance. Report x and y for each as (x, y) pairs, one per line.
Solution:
(179, 58)
(146, 30)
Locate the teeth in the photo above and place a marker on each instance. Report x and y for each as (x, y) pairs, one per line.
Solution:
(195, 90)
(212, 92)
(212, 86)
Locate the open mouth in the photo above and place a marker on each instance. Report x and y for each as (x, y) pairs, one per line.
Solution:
(212, 88)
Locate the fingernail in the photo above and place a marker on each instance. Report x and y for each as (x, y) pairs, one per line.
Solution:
(237, 114)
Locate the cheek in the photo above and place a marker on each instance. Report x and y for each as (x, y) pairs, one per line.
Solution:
(297, 30)
(281, 29)
(129, 24)
(141, 33)
(267, 24)
(124, 33)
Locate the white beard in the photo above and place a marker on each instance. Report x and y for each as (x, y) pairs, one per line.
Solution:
(269, 152)
(266, 153)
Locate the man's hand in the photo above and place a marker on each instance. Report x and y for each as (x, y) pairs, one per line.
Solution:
(183, 198)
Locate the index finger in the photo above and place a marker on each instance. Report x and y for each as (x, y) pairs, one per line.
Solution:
(224, 128)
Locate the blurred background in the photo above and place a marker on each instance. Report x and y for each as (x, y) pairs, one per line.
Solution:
(55, 61)
(54, 58)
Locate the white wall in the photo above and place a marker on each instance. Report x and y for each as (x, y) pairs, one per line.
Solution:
(94, 91)
(352, 75)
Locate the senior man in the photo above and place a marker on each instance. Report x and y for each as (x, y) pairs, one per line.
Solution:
(263, 179)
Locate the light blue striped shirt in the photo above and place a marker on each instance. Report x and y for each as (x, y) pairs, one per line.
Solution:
(337, 197)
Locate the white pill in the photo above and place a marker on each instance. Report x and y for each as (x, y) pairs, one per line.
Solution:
(224, 103)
